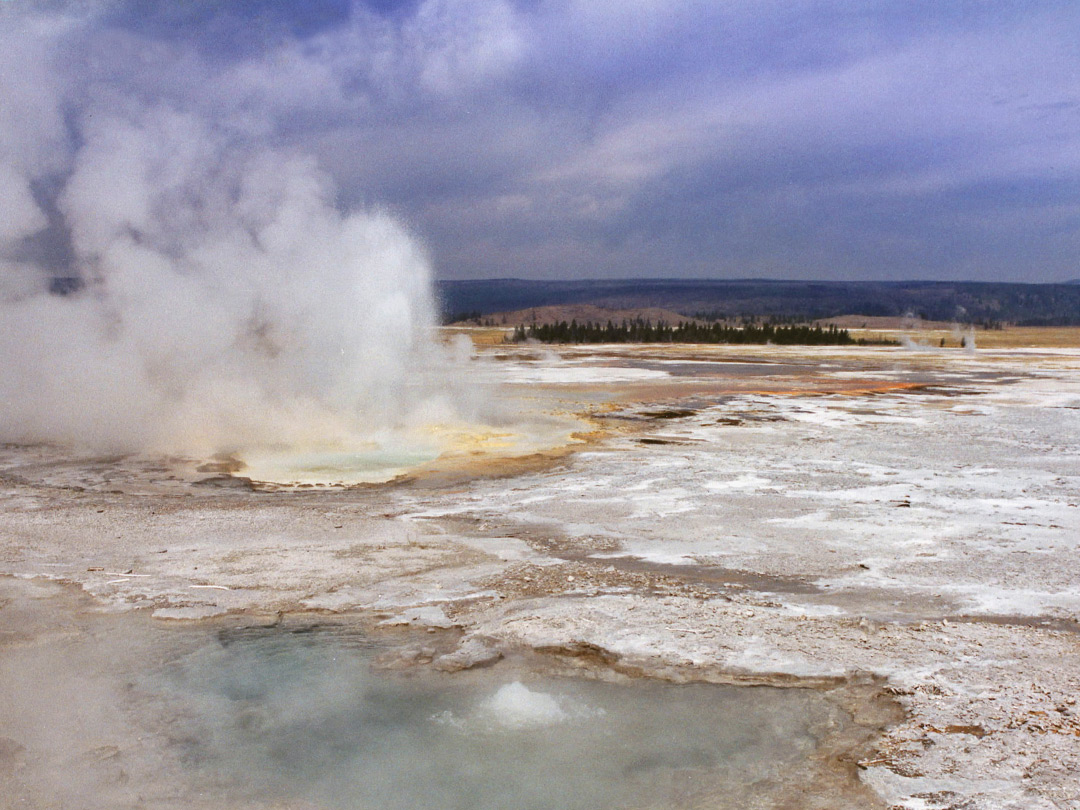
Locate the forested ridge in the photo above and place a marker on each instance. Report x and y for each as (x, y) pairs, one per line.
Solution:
(644, 331)
(964, 303)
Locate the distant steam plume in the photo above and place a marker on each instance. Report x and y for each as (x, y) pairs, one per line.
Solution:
(220, 298)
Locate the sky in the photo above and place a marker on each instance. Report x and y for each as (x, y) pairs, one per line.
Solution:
(565, 139)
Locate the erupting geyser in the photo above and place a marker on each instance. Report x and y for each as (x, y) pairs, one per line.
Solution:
(216, 298)
(226, 304)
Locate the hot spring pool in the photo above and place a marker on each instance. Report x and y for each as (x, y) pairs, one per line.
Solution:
(383, 457)
(336, 467)
(128, 713)
(304, 716)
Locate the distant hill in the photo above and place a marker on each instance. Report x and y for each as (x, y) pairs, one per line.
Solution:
(582, 313)
(950, 301)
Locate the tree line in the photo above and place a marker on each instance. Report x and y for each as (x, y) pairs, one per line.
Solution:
(644, 331)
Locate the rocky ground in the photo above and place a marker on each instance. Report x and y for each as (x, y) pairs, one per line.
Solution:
(898, 521)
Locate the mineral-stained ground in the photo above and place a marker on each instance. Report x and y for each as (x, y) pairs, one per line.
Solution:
(897, 527)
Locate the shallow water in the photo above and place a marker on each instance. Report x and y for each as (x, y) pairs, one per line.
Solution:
(392, 454)
(370, 465)
(304, 716)
(120, 711)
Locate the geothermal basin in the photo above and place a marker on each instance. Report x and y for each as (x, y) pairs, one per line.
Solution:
(886, 537)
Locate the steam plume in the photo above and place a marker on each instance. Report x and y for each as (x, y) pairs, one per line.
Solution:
(219, 298)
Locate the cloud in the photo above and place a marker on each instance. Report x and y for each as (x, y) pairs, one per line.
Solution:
(869, 161)
(565, 137)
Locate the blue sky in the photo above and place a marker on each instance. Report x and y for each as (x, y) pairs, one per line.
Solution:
(843, 139)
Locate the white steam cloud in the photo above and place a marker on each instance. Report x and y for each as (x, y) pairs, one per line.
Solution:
(225, 300)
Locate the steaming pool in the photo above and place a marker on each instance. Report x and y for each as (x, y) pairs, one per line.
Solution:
(115, 712)
(337, 466)
(392, 454)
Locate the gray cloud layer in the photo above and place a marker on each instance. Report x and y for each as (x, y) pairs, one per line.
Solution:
(556, 138)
